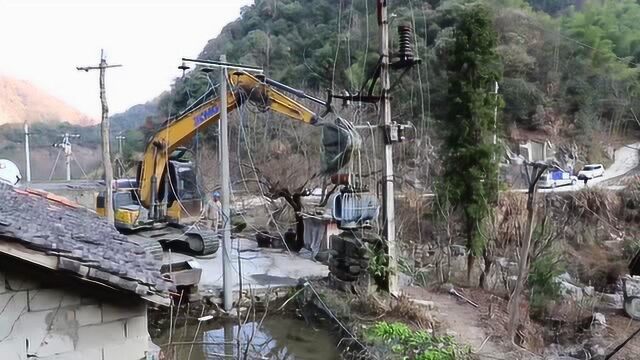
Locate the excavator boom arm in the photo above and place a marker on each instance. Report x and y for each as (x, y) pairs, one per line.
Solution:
(177, 132)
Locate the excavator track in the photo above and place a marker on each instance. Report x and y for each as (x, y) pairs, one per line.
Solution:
(203, 242)
(178, 239)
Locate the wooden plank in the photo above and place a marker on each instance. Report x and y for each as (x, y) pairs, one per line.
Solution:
(22, 252)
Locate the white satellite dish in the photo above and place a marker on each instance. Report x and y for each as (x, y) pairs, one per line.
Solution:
(9, 172)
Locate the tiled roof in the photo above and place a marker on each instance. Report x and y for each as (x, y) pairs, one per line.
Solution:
(84, 243)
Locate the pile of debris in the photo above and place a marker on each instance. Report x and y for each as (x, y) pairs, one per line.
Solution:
(350, 255)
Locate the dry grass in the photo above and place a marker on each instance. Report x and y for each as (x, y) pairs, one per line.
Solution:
(592, 204)
(511, 217)
(494, 316)
(369, 305)
(404, 309)
(632, 183)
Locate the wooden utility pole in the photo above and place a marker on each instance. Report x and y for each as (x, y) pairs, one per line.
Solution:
(105, 131)
(388, 212)
(537, 169)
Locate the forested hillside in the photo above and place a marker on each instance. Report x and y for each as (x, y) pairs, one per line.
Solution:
(569, 66)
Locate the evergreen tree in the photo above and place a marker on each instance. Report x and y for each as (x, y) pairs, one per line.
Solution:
(470, 170)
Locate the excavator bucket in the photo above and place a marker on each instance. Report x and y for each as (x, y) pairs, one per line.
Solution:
(339, 141)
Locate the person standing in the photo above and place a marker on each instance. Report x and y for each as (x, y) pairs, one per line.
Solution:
(212, 211)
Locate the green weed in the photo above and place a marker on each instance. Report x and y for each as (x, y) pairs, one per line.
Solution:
(416, 345)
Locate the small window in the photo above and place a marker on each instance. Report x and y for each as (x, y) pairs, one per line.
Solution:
(123, 199)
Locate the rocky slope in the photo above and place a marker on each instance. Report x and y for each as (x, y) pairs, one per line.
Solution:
(22, 101)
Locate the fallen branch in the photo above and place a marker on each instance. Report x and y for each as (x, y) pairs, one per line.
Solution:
(453, 291)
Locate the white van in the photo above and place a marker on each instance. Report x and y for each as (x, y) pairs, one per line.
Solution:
(554, 178)
(591, 171)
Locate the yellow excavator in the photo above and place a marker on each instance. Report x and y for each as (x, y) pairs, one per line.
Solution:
(159, 208)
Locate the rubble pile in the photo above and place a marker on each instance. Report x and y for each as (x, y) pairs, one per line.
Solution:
(349, 256)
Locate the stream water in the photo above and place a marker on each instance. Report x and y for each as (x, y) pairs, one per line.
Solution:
(276, 338)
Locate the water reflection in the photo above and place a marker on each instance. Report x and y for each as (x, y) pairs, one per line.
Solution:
(277, 338)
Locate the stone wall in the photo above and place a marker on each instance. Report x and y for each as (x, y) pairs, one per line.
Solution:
(38, 320)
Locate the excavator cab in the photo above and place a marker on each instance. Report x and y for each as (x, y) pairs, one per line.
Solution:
(183, 198)
(128, 213)
(181, 204)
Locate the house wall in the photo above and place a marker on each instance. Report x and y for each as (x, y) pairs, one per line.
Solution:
(537, 151)
(60, 322)
(525, 151)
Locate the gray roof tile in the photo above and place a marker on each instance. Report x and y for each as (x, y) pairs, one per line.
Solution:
(54, 226)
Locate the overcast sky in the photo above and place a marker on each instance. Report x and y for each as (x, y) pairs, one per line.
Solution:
(42, 41)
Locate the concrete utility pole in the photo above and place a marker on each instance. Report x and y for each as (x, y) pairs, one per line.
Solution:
(106, 148)
(226, 192)
(225, 177)
(120, 139)
(68, 152)
(388, 211)
(27, 154)
(65, 145)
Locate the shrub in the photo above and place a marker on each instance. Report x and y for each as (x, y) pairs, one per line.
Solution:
(542, 283)
(419, 345)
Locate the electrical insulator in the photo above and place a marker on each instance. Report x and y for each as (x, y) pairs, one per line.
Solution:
(405, 32)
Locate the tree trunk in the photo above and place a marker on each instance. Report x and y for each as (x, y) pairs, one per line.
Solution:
(297, 207)
(471, 257)
(299, 233)
(487, 268)
(523, 266)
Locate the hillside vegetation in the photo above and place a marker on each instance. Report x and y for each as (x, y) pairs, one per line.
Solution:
(569, 66)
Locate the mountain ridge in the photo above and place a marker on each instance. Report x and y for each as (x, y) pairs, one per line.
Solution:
(22, 101)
